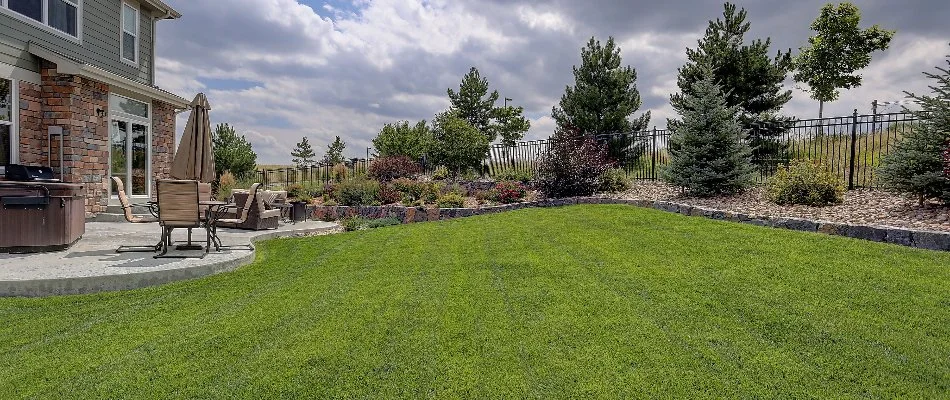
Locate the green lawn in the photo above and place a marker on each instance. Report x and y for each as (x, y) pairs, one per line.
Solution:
(584, 301)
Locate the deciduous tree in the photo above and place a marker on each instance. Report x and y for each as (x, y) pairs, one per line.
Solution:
(838, 49)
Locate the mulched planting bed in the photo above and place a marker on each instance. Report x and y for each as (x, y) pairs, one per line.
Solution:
(860, 207)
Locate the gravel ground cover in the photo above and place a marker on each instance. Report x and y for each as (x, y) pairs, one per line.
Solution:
(862, 206)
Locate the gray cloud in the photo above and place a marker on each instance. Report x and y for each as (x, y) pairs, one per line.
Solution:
(393, 59)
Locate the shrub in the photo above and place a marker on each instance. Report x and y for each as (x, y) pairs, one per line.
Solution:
(483, 196)
(385, 169)
(382, 222)
(431, 191)
(410, 190)
(329, 202)
(338, 173)
(356, 192)
(360, 223)
(572, 165)
(807, 183)
(509, 192)
(614, 181)
(450, 200)
(388, 195)
(296, 191)
(440, 173)
(515, 175)
(226, 183)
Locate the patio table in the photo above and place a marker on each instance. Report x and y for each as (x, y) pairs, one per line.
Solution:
(215, 208)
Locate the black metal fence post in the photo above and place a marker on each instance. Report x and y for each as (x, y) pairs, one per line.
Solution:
(854, 148)
(653, 154)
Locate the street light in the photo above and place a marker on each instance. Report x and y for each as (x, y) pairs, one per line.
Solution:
(507, 99)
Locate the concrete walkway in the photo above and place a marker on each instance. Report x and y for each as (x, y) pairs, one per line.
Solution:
(92, 265)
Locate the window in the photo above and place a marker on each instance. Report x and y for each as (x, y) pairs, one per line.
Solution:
(7, 115)
(130, 33)
(63, 16)
(128, 106)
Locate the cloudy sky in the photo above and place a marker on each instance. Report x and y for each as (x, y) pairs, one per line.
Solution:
(282, 69)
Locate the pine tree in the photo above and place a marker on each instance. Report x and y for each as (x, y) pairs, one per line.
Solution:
(303, 154)
(751, 79)
(917, 165)
(232, 152)
(604, 96)
(335, 152)
(476, 105)
(603, 100)
(709, 154)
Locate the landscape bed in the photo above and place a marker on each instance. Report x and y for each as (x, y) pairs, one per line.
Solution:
(580, 301)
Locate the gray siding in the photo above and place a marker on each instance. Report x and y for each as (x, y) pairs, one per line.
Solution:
(100, 41)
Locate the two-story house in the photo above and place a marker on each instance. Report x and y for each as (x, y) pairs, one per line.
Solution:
(78, 93)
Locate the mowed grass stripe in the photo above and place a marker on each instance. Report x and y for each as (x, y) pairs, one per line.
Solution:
(584, 301)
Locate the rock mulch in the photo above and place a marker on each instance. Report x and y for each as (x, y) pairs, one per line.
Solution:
(860, 207)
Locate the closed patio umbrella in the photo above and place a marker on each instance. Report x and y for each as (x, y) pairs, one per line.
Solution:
(194, 159)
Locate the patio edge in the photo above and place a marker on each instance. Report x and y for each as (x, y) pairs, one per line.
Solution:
(111, 283)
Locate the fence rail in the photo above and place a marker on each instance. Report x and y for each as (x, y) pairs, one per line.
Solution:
(852, 147)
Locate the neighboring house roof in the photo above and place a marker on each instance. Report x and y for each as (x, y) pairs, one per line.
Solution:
(159, 5)
(66, 65)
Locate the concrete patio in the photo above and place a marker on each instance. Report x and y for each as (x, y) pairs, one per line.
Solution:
(92, 265)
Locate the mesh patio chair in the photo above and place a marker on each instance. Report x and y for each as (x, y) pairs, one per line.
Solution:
(177, 208)
(242, 216)
(135, 219)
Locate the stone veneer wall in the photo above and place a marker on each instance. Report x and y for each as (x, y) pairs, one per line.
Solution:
(71, 102)
(904, 237)
(163, 140)
(32, 149)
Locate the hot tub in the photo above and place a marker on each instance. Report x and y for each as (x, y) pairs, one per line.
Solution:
(39, 217)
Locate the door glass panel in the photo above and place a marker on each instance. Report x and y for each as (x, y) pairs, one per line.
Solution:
(118, 137)
(139, 139)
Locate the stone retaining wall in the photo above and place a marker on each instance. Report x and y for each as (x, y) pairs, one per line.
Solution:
(901, 236)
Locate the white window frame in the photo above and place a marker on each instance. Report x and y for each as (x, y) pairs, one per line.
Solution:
(137, 34)
(44, 24)
(129, 119)
(14, 119)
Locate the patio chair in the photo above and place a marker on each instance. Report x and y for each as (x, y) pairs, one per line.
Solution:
(259, 216)
(242, 216)
(177, 208)
(135, 219)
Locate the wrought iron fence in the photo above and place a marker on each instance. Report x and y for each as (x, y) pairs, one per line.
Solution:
(852, 147)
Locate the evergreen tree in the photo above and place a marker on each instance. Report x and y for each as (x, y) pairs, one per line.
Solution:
(303, 154)
(709, 153)
(476, 105)
(603, 100)
(400, 139)
(751, 79)
(457, 144)
(335, 152)
(232, 152)
(918, 165)
(838, 49)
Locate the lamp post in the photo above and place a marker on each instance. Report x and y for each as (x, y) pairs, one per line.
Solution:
(507, 99)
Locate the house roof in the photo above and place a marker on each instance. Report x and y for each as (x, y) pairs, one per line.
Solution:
(163, 8)
(68, 66)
